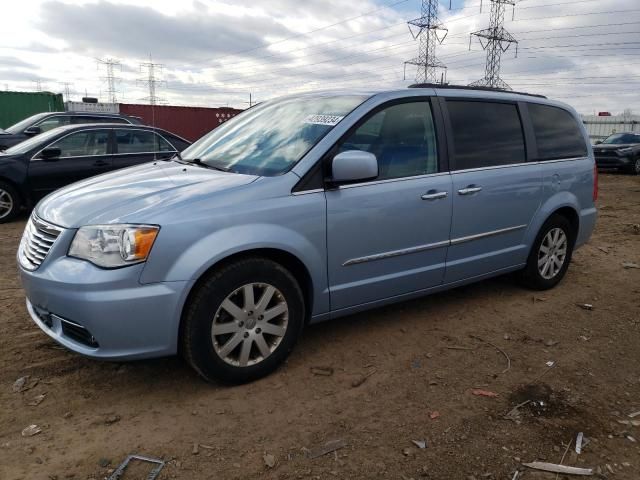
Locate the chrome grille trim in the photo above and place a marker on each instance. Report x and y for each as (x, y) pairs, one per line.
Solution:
(37, 239)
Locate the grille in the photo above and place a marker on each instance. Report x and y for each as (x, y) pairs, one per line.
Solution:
(606, 153)
(37, 240)
(78, 333)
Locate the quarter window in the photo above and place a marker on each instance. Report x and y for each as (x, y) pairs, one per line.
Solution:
(80, 144)
(486, 134)
(402, 137)
(141, 141)
(557, 133)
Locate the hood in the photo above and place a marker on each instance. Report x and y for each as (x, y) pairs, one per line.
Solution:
(4, 132)
(138, 194)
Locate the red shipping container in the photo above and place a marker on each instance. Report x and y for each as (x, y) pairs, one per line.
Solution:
(190, 123)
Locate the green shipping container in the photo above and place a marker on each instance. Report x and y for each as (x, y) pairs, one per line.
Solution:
(16, 106)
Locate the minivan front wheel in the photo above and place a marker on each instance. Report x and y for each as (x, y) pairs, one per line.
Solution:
(9, 202)
(243, 321)
(550, 255)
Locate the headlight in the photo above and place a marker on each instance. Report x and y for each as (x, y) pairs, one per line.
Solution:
(112, 246)
(625, 150)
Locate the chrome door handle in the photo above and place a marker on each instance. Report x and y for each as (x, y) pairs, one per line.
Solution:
(434, 196)
(469, 190)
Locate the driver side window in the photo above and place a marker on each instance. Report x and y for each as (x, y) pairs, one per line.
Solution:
(53, 122)
(402, 137)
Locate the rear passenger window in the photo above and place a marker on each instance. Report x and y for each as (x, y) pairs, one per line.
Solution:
(402, 137)
(557, 133)
(486, 134)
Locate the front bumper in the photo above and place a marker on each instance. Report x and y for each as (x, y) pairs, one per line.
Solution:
(104, 314)
(614, 161)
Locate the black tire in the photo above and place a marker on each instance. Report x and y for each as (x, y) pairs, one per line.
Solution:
(7, 191)
(531, 275)
(634, 169)
(197, 341)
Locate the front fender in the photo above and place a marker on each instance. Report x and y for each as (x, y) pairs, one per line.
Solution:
(201, 255)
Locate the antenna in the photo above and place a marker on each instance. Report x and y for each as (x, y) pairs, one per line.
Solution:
(427, 29)
(111, 79)
(495, 40)
(150, 81)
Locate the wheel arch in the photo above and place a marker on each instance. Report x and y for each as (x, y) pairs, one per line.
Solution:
(287, 259)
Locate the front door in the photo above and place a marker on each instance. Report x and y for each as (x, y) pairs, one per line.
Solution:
(389, 236)
(495, 191)
(136, 146)
(83, 154)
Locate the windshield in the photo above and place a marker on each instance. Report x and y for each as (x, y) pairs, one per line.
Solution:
(622, 138)
(20, 126)
(272, 137)
(32, 142)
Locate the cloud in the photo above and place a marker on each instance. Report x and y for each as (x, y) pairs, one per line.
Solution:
(134, 31)
(14, 62)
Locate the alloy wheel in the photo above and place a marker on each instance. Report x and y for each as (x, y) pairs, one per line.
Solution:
(6, 203)
(245, 331)
(637, 166)
(552, 253)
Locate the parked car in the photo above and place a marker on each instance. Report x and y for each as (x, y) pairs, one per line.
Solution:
(620, 151)
(43, 122)
(303, 209)
(58, 157)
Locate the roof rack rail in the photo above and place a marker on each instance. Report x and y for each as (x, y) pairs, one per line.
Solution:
(467, 87)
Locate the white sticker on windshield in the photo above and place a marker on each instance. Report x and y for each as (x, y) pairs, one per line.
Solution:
(319, 119)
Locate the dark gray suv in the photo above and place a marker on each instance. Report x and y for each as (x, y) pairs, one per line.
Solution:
(42, 122)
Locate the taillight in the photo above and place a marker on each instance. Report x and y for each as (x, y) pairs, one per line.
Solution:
(595, 183)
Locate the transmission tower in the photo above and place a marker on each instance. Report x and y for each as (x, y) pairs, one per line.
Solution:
(110, 64)
(67, 90)
(495, 40)
(38, 85)
(427, 29)
(150, 81)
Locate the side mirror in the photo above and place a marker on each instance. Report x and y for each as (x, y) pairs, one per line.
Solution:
(354, 165)
(598, 142)
(34, 130)
(50, 154)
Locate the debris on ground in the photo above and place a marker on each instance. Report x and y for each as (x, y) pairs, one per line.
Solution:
(269, 460)
(514, 413)
(420, 443)
(550, 343)
(359, 381)
(25, 383)
(633, 423)
(433, 415)
(498, 349)
(31, 430)
(330, 446)
(322, 371)
(585, 306)
(550, 363)
(634, 414)
(557, 468)
(104, 462)
(579, 439)
(37, 400)
(195, 450)
(483, 393)
(152, 475)
(630, 265)
(111, 419)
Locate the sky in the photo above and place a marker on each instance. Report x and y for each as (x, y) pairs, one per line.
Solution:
(220, 52)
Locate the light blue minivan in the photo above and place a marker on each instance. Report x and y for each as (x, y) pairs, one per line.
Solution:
(307, 208)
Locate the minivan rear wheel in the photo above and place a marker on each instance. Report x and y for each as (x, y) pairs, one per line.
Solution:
(550, 255)
(243, 321)
(9, 202)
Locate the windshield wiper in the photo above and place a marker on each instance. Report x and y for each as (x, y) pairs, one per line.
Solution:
(199, 162)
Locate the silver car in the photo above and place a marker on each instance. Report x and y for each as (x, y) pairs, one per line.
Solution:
(303, 209)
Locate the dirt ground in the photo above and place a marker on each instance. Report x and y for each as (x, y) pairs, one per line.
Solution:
(422, 359)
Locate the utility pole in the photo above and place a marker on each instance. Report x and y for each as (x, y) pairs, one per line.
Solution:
(38, 84)
(150, 80)
(427, 29)
(111, 79)
(495, 40)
